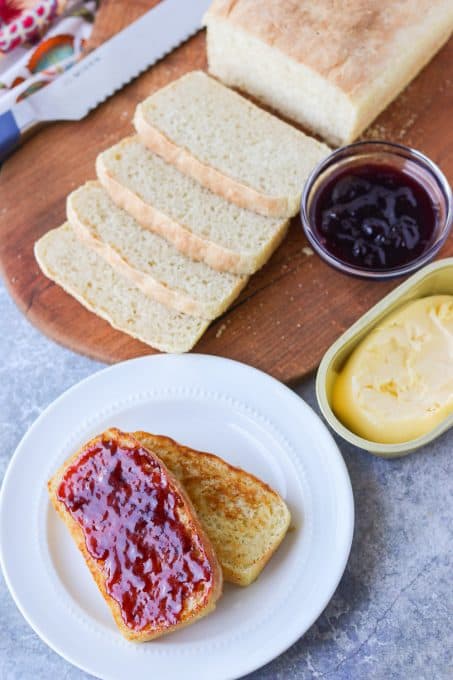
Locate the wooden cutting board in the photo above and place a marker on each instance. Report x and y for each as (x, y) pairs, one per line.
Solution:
(291, 311)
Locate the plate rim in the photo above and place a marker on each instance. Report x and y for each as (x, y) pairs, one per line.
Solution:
(348, 515)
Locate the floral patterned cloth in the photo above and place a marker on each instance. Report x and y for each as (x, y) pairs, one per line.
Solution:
(45, 44)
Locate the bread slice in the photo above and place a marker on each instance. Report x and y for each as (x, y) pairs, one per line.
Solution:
(228, 144)
(244, 518)
(139, 535)
(330, 66)
(98, 287)
(197, 222)
(147, 260)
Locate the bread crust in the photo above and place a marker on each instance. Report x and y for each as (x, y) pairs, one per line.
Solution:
(76, 532)
(181, 237)
(150, 286)
(223, 185)
(233, 574)
(216, 256)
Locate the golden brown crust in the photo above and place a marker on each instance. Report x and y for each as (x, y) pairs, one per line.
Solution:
(186, 450)
(348, 43)
(78, 536)
(224, 488)
(223, 185)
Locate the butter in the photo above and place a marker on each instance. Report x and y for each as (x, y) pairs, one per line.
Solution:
(398, 382)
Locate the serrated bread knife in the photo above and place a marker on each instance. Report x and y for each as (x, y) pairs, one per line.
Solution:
(105, 70)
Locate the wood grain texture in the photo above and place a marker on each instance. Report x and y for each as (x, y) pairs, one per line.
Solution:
(291, 311)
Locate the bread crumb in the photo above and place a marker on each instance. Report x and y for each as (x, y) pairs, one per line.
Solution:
(307, 251)
(220, 330)
(375, 132)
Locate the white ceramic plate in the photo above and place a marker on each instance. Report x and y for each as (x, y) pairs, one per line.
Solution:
(215, 405)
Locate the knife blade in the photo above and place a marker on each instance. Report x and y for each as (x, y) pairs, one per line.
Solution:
(105, 70)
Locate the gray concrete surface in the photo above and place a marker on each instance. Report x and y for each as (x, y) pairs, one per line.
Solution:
(391, 615)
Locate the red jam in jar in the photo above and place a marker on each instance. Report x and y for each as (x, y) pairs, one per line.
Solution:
(374, 216)
(130, 518)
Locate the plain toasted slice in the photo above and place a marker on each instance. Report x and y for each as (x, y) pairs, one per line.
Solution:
(197, 222)
(244, 518)
(98, 287)
(139, 535)
(228, 144)
(148, 260)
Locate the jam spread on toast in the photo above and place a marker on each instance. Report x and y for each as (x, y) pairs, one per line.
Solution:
(129, 515)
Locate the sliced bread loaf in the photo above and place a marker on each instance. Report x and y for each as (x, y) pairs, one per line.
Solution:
(198, 223)
(148, 260)
(99, 288)
(228, 144)
(243, 517)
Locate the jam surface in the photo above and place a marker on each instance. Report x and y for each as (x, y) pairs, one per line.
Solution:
(374, 216)
(129, 516)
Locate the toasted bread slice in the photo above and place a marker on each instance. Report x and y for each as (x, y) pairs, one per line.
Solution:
(139, 535)
(244, 518)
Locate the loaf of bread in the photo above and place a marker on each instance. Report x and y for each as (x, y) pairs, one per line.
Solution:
(331, 66)
(98, 287)
(228, 144)
(149, 261)
(244, 518)
(139, 535)
(196, 221)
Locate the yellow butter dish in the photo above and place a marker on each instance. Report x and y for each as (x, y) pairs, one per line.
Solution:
(398, 382)
(386, 385)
